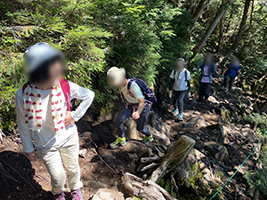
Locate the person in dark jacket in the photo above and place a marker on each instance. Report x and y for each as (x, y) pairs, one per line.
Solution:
(230, 73)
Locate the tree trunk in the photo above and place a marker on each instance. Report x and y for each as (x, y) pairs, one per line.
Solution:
(241, 30)
(221, 11)
(175, 155)
(220, 41)
(136, 187)
(198, 12)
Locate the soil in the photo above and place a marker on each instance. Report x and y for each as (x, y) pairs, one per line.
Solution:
(102, 167)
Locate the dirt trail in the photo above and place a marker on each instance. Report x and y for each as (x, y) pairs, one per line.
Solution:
(102, 167)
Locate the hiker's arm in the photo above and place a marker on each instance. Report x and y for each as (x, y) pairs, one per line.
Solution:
(141, 106)
(25, 134)
(198, 67)
(171, 83)
(188, 84)
(81, 93)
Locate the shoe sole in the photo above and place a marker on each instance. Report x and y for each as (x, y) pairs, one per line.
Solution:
(146, 143)
(120, 145)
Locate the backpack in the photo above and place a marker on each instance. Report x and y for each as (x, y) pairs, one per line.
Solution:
(185, 71)
(65, 88)
(147, 92)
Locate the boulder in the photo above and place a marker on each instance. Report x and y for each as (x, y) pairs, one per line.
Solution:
(217, 150)
(195, 122)
(108, 194)
(219, 132)
(212, 99)
(157, 123)
(225, 114)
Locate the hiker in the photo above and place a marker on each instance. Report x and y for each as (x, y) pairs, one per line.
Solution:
(208, 69)
(138, 96)
(232, 71)
(44, 115)
(180, 84)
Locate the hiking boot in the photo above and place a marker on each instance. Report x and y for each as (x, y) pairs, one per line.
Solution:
(206, 100)
(60, 196)
(118, 142)
(175, 112)
(147, 139)
(225, 90)
(199, 103)
(180, 117)
(76, 195)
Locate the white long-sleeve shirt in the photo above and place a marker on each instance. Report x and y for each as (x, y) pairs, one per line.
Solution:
(46, 138)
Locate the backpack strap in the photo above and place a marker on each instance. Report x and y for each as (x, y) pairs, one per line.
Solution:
(121, 95)
(129, 86)
(66, 90)
(185, 75)
(24, 87)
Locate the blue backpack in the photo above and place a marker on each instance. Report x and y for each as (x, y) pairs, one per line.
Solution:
(147, 92)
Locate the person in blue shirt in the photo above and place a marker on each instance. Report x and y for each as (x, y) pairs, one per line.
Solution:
(232, 71)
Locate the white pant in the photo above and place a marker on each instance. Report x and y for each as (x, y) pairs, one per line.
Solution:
(68, 152)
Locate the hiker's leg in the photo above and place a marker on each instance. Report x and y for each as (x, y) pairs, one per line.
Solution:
(54, 166)
(225, 81)
(201, 91)
(120, 119)
(141, 122)
(207, 90)
(175, 99)
(232, 80)
(181, 101)
(70, 155)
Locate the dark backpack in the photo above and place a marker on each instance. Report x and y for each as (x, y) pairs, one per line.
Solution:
(147, 92)
(185, 71)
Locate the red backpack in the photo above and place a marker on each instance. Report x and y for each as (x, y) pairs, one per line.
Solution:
(65, 88)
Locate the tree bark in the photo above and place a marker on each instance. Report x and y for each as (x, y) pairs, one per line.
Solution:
(175, 155)
(241, 30)
(221, 30)
(202, 4)
(221, 12)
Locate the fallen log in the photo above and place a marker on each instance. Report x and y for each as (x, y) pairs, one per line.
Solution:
(137, 187)
(175, 155)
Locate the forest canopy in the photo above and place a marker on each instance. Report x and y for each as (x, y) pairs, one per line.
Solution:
(143, 36)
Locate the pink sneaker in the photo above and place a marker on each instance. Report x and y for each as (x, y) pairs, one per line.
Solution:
(76, 195)
(60, 196)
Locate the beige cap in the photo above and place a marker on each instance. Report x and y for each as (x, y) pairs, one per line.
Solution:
(115, 76)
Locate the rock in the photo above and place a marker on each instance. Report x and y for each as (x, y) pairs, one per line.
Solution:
(213, 100)
(108, 194)
(219, 132)
(247, 132)
(225, 114)
(198, 154)
(131, 130)
(217, 150)
(94, 184)
(156, 122)
(82, 153)
(163, 138)
(132, 155)
(195, 122)
(238, 91)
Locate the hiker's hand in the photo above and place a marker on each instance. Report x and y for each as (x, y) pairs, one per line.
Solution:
(195, 69)
(219, 71)
(170, 94)
(136, 115)
(68, 119)
(189, 94)
(32, 156)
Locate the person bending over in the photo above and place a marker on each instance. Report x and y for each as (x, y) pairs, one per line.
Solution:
(138, 107)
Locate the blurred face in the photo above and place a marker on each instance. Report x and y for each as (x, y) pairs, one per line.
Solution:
(56, 70)
(235, 62)
(208, 59)
(180, 65)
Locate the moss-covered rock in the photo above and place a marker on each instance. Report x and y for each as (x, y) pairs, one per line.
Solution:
(217, 150)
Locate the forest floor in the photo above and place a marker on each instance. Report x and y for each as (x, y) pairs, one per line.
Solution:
(102, 167)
